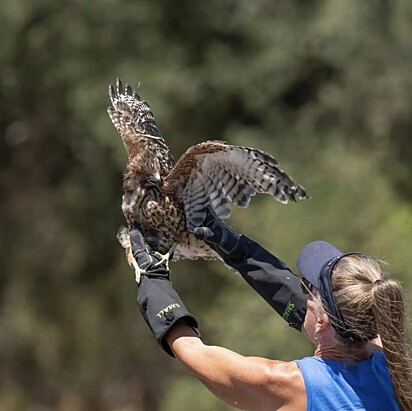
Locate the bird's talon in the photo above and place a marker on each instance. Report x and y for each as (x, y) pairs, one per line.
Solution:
(162, 259)
(165, 258)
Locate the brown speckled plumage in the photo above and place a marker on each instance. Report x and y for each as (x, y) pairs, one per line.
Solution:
(169, 197)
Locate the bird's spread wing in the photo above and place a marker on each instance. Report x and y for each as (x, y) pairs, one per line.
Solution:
(133, 119)
(214, 173)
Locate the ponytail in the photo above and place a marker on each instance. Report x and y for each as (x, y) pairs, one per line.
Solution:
(372, 304)
(389, 307)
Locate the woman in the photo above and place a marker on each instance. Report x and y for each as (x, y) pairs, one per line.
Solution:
(350, 302)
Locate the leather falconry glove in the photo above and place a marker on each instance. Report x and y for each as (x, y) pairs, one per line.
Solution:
(159, 303)
(216, 234)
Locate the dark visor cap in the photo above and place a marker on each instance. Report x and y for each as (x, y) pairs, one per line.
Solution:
(314, 257)
(316, 262)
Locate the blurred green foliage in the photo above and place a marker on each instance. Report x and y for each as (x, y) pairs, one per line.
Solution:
(325, 86)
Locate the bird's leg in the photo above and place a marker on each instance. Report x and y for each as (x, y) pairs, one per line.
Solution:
(138, 271)
(133, 263)
(165, 258)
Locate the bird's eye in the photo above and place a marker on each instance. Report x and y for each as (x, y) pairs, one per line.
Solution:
(153, 180)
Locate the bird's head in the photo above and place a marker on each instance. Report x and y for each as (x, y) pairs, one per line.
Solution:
(151, 179)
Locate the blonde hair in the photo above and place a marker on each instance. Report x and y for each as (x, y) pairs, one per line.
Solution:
(371, 304)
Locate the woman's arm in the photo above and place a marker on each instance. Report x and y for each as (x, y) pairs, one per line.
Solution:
(244, 382)
(248, 383)
(271, 278)
(266, 274)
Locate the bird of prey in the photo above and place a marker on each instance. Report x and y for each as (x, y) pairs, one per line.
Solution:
(168, 199)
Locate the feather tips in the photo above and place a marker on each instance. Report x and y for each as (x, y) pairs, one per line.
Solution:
(218, 173)
(132, 116)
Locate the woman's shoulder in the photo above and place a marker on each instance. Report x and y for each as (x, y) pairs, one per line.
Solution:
(287, 383)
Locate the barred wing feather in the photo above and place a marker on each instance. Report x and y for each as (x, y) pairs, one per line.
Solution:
(214, 173)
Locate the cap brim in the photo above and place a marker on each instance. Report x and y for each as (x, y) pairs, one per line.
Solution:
(313, 257)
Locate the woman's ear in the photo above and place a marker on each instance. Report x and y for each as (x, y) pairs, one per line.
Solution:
(322, 325)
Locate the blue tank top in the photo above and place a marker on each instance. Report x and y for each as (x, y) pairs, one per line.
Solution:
(335, 385)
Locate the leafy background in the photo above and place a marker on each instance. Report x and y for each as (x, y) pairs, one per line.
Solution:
(323, 85)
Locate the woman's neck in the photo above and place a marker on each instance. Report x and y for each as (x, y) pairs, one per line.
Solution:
(343, 353)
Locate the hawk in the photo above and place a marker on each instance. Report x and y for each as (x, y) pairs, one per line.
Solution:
(168, 199)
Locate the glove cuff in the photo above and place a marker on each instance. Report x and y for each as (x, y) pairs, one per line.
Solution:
(190, 321)
(161, 308)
